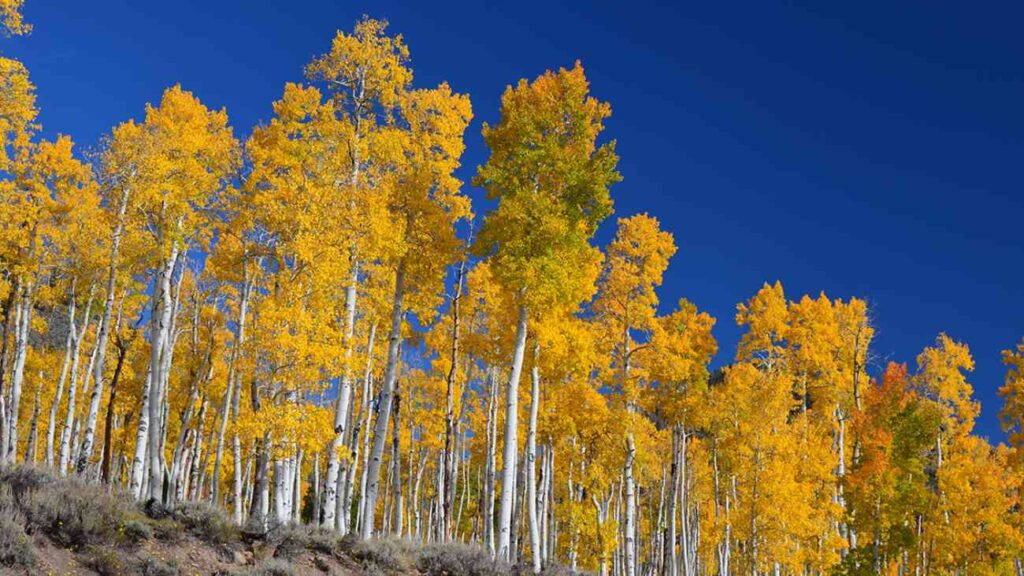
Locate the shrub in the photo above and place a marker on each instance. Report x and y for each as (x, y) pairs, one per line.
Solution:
(291, 540)
(15, 546)
(74, 512)
(272, 567)
(459, 559)
(104, 561)
(156, 510)
(24, 479)
(385, 555)
(150, 566)
(206, 522)
(167, 530)
(135, 531)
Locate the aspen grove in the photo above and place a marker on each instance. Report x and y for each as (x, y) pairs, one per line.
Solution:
(314, 326)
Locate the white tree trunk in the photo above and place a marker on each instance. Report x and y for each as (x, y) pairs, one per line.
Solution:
(341, 407)
(295, 501)
(280, 487)
(229, 392)
(630, 497)
(69, 345)
(531, 462)
(380, 428)
(492, 461)
(357, 439)
(236, 454)
(508, 475)
(396, 464)
(102, 338)
(69, 417)
(161, 342)
(31, 450)
(23, 324)
(137, 478)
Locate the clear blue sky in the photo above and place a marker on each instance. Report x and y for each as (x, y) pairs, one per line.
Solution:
(870, 150)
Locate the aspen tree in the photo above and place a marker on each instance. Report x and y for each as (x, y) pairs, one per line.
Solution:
(188, 152)
(365, 74)
(551, 180)
(625, 307)
(425, 205)
(52, 195)
(17, 126)
(119, 171)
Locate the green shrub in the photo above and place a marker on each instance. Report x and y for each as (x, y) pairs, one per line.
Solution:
(385, 555)
(272, 567)
(74, 512)
(292, 540)
(459, 559)
(15, 546)
(135, 532)
(149, 566)
(167, 530)
(24, 479)
(103, 561)
(206, 522)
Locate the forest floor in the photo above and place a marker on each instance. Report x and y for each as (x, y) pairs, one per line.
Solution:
(65, 526)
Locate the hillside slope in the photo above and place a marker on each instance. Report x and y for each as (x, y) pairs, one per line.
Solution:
(66, 526)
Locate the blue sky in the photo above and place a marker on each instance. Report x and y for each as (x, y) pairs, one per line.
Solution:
(869, 149)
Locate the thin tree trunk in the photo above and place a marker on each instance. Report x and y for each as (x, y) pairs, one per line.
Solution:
(9, 327)
(102, 337)
(492, 460)
(630, 505)
(360, 431)
(260, 507)
(673, 511)
(383, 416)
(197, 466)
(160, 332)
(51, 425)
(32, 450)
(230, 404)
(508, 476)
(316, 488)
(23, 325)
(69, 417)
(204, 375)
(341, 406)
(449, 423)
(531, 460)
(396, 462)
(138, 469)
(295, 500)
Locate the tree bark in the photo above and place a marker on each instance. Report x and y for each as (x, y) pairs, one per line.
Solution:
(160, 332)
(360, 431)
(102, 337)
(508, 476)
(22, 326)
(531, 460)
(232, 382)
(491, 463)
(341, 408)
(69, 344)
(380, 428)
(69, 417)
(449, 415)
